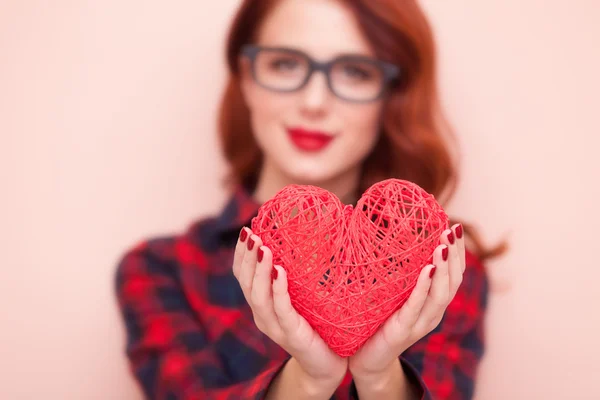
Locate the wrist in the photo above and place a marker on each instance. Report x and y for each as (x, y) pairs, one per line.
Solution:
(312, 384)
(389, 383)
(294, 383)
(360, 372)
(379, 378)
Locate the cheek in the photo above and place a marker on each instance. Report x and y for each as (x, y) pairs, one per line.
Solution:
(264, 105)
(364, 124)
(266, 113)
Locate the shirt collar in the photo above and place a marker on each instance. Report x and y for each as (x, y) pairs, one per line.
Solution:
(238, 212)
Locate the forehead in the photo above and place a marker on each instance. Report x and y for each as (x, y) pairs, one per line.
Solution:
(321, 28)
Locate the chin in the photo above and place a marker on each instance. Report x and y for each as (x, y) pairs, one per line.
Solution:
(311, 176)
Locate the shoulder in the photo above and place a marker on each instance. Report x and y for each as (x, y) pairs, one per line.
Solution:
(475, 276)
(164, 256)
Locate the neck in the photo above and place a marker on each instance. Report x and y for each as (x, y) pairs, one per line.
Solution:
(273, 179)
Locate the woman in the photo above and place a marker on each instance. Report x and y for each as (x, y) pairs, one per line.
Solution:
(337, 94)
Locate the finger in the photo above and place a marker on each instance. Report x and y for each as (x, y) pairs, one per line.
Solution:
(262, 293)
(288, 318)
(439, 294)
(460, 243)
(409, 312)
(249, 266)
(240, 249)
(457, 269)
(440, 285)
(456, 260)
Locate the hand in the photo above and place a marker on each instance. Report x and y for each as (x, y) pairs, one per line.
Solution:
(421, 313)
(275, 316)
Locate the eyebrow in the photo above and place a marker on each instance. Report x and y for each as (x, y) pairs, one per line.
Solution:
(335, 55)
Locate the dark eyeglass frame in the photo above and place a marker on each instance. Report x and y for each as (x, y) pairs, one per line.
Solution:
(391, 72)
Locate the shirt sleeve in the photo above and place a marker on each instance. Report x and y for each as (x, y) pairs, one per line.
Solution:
(448, 358)
(168, 351)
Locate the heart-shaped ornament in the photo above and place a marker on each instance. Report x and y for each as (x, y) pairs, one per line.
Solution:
(350, 268)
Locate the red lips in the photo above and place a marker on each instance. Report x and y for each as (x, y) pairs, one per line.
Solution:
(307, 140)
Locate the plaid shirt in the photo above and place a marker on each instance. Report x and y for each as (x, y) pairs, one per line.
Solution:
(191, 334)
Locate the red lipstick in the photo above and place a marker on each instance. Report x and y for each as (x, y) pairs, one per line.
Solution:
(308, 140)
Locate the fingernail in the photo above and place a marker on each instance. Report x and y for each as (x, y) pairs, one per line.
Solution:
(243, 235)
(451, 237)
(445, 253)
(274, 273)
(260, 254)
(432, 272)
(250, 243)
(459, 231)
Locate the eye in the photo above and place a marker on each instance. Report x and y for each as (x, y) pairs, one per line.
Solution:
(284, 64)
(357, 72)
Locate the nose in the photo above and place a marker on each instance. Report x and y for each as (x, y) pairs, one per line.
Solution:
(315, 95)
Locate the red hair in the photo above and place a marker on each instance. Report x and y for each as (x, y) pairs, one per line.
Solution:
(416, 141)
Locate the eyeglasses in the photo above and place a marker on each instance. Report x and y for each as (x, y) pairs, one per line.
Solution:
(352, 78)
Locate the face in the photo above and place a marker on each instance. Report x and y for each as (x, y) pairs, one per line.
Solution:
(311, 135)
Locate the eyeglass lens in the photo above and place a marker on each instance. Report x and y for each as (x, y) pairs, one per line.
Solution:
(350, 78)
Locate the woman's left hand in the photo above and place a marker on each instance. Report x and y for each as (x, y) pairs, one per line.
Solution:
(421, 313)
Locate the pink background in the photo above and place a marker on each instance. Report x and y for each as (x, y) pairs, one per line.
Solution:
(107, 120)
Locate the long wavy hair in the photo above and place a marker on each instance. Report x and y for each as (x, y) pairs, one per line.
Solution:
(416, 143)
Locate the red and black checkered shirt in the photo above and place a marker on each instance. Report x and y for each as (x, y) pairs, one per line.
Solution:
(191, 335)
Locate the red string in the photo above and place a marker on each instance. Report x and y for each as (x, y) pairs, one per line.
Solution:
(350, 268)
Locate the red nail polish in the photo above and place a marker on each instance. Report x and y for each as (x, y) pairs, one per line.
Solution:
(274, 273)
(243, 235)
(451, 237)
(250, 243)
(260, 254)
(432, 272)
(445, 253)
(459, 231)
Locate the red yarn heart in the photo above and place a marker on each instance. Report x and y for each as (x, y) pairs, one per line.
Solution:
(349, 269)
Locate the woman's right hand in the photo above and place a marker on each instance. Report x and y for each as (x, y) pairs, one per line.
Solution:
(275, 316)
